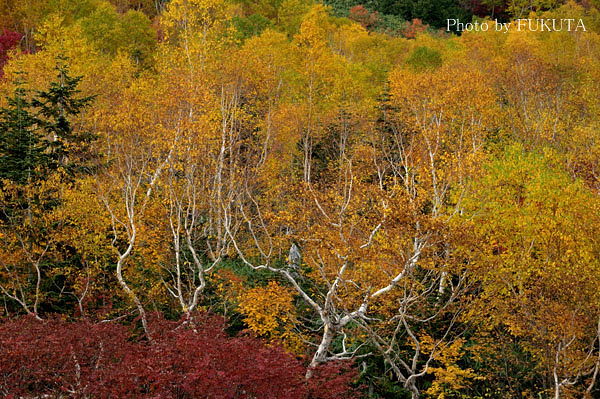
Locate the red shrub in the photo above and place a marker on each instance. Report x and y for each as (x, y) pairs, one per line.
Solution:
(361, 15)
(101, 361)
(411, 30)
(8, 41)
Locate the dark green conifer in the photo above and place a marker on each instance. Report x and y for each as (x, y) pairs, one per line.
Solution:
(56, 107)
(22, 149)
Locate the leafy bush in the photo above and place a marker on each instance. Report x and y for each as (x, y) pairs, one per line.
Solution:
(424, 58)
(101, 360)
(8, 41)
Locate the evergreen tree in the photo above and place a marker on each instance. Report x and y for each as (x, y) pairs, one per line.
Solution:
(68, 149)
(22, 149)
(37, 136)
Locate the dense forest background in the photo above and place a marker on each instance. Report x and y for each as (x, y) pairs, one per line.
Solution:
(290, 199)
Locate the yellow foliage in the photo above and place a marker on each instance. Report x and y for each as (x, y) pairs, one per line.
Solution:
(269, 312)
(449, 377)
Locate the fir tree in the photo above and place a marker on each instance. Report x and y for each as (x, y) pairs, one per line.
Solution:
(68, 149)
(37, 136)
(22, 149)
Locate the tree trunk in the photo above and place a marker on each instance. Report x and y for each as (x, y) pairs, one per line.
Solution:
(414, 391)
(321, 354)
(134, 297)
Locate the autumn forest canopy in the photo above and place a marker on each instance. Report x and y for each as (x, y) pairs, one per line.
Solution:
(295, 199)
